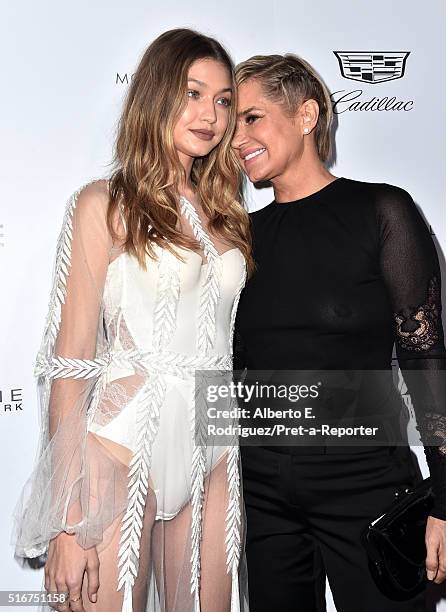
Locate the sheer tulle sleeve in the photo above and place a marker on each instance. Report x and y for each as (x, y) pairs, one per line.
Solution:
(412, 274)
(74, 482)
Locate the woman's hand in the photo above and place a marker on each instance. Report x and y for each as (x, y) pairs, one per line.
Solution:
(64, 571)
(436, 549)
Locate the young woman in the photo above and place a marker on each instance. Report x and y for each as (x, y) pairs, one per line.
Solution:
(136, 510)
(344, 269)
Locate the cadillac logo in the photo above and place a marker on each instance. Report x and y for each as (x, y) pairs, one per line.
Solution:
(372, 66)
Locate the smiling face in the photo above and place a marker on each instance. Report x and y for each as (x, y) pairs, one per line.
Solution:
(267, 141)
(203, 122)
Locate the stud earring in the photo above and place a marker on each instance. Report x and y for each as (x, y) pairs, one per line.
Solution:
(306, 130)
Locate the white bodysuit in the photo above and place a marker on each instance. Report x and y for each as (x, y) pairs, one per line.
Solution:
(153, 330)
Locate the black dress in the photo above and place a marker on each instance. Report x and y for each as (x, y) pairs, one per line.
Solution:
(342, 276)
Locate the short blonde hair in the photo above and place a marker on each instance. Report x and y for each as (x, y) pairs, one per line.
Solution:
(290, 80)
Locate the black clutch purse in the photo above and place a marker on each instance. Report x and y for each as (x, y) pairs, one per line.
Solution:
(395, 543)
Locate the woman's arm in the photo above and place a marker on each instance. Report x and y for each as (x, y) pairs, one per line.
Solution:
(56, 494)
(411, 271)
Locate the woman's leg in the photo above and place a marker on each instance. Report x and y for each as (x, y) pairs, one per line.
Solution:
(215, 581)
(285, 567)
(108, 598)
(341, 494)
(172, 551)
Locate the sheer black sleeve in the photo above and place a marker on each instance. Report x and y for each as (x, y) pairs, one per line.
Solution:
(411, 271)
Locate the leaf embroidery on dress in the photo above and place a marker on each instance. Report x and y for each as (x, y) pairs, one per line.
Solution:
(70, 367)
(149, 403)
(62, 264)
(206, 333)
(168, 293)
(152, 394)
(198, 470)
(211, 288)
(150, 398)
(47, 364)
(233, 512)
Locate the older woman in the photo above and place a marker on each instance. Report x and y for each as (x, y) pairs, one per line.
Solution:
(345, 270)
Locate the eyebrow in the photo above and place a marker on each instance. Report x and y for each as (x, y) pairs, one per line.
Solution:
(204, 85)
(247, 111)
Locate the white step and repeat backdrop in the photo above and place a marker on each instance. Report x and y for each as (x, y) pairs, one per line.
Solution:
(65, 69)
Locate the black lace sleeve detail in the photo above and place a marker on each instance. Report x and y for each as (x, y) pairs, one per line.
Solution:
(435, 425)
(419, 330)
(411, 272)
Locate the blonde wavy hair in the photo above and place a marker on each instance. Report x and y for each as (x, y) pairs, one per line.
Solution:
(148, 169)
(290, 81)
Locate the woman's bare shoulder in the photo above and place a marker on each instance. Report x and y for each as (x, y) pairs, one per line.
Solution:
(96, 189)
(94, 201)
(93, 197)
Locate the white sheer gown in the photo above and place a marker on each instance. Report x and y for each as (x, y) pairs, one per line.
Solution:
(118, 465)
